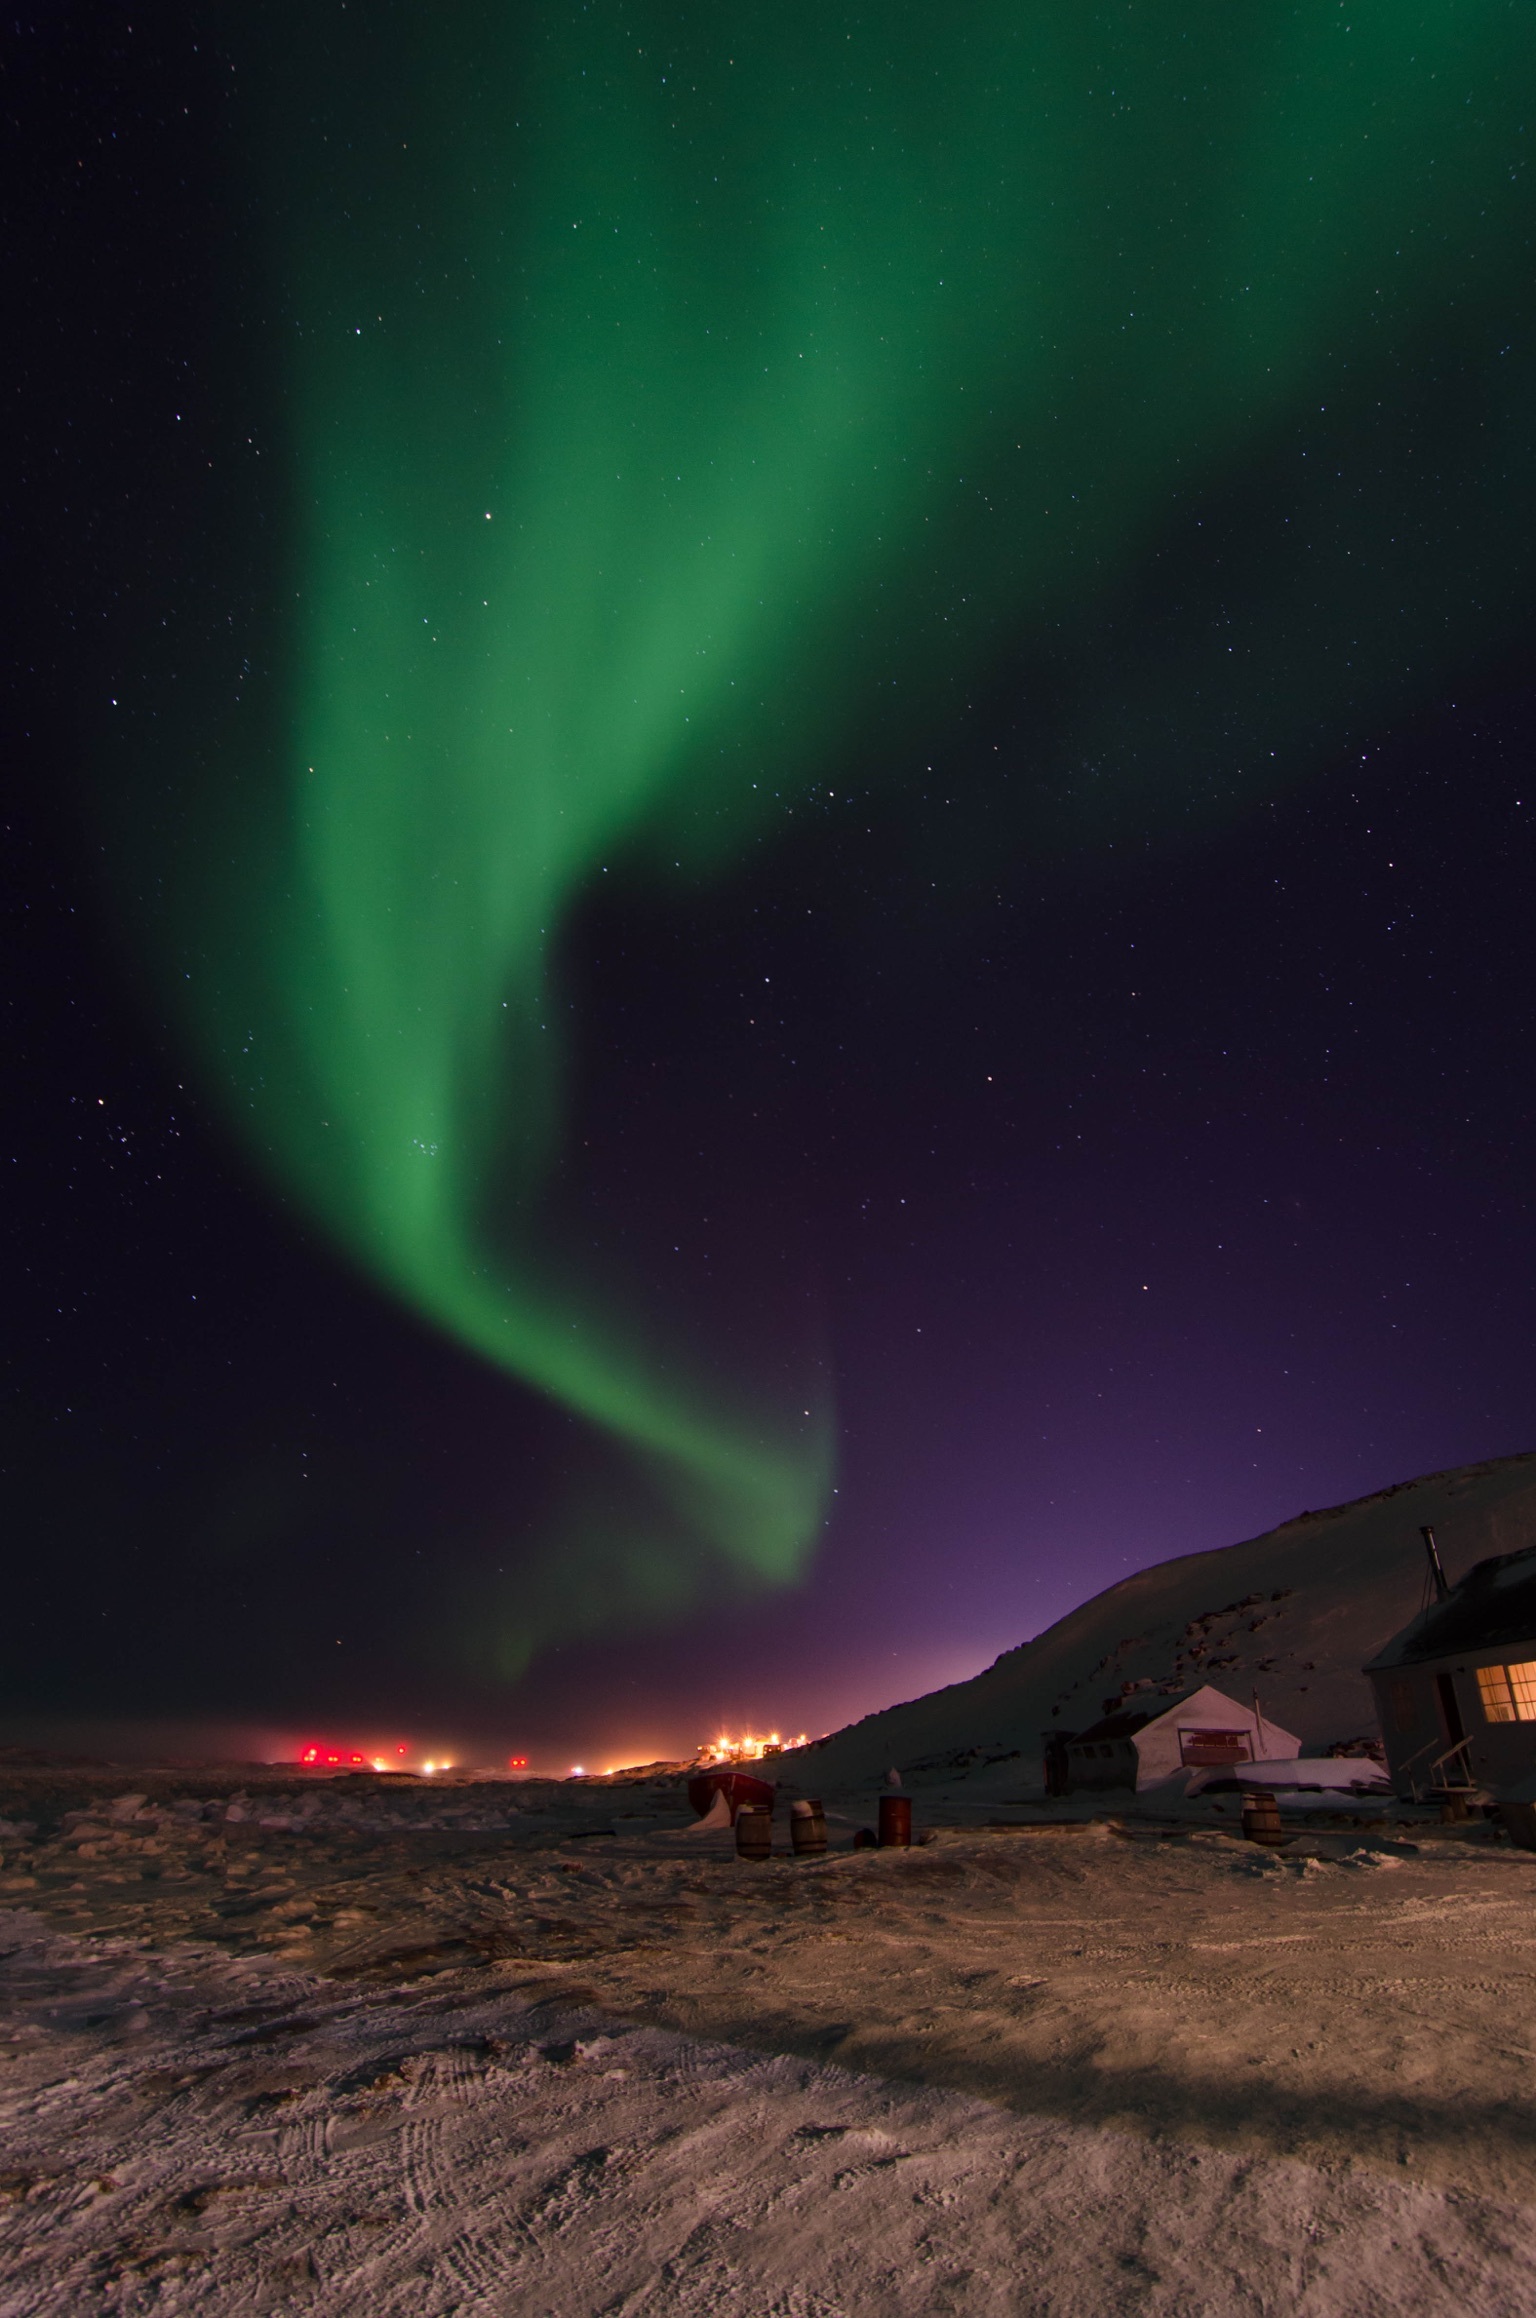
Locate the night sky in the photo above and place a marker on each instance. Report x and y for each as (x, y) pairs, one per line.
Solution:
(770, 842)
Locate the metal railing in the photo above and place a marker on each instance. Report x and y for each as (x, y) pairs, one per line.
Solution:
(1432, 1778)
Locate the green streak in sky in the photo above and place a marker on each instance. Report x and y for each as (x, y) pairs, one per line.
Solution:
(675, 395)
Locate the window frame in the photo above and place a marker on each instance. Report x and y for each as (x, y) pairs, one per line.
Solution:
(1507, 1693)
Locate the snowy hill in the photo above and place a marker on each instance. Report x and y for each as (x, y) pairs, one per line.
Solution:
(1293, 1614)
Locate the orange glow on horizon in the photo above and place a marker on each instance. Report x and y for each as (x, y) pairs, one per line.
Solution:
(747, 1749)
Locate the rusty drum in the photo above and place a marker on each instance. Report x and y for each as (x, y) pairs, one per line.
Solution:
(895, 1822)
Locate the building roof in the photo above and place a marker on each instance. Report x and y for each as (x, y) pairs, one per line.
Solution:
(1113, 1726)
(1493, 1607)
(1132, 1720)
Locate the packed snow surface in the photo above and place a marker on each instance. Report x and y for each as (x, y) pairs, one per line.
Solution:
(574, 2058)
(192, 2133)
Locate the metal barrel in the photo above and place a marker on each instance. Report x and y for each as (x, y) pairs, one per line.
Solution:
(754, 1831)
(895, 1822)
(1261, 1818)
(807, 1829)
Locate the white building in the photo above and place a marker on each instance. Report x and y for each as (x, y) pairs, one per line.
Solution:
(1202, 1730)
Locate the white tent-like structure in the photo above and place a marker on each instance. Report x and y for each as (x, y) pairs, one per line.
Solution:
(1201, 1730)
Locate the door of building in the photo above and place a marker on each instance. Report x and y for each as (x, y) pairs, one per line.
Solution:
(1450, 1708)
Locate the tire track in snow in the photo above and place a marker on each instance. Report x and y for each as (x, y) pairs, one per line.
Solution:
(261, 2145)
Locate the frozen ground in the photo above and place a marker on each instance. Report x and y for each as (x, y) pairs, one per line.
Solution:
(188, 2131)
(526, 2066)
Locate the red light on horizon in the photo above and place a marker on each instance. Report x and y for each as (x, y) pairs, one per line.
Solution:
(323, 1758)
(517, 1762)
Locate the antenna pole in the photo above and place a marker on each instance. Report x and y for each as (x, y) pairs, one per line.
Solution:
(1436, 1566)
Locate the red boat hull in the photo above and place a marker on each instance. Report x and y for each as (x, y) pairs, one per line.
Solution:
(738, 1787)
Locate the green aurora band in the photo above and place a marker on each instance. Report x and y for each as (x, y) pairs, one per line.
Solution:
(675, 396)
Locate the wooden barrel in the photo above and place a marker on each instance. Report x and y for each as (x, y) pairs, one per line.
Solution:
(807, 1829)
(754, 1831)
(895, 1822)
(1261, 1818)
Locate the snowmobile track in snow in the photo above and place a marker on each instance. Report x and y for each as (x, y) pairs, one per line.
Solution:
(186, 2131)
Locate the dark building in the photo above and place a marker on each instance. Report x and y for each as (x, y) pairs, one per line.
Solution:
(1456, 1689)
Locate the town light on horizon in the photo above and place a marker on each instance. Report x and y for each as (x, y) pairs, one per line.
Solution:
(749, 1748)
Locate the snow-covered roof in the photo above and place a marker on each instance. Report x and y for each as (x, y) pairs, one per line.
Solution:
(1494, 1607)
(1110, 1728)
(1206, 1700)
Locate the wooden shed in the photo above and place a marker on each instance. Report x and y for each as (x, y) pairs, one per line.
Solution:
(1456, 1689)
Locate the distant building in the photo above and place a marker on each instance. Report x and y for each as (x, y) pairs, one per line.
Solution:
(1201, 1730)
(1456, 1689)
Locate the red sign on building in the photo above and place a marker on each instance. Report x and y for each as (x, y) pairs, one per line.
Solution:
(1207, 1749)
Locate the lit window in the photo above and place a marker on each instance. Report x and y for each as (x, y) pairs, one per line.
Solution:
(1493, 1686)
(1508, 1692)
(1522, 1683)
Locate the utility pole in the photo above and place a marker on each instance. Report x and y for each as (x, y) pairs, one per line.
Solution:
(1436, 1567)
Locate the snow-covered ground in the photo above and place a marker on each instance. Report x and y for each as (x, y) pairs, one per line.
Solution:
(367, 2047)
(382, 2051)
(187, 2131)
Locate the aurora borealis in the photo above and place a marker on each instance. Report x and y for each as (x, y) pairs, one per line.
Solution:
(675, 423)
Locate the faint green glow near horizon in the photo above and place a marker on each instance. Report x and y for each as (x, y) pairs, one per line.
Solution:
(673, 396)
